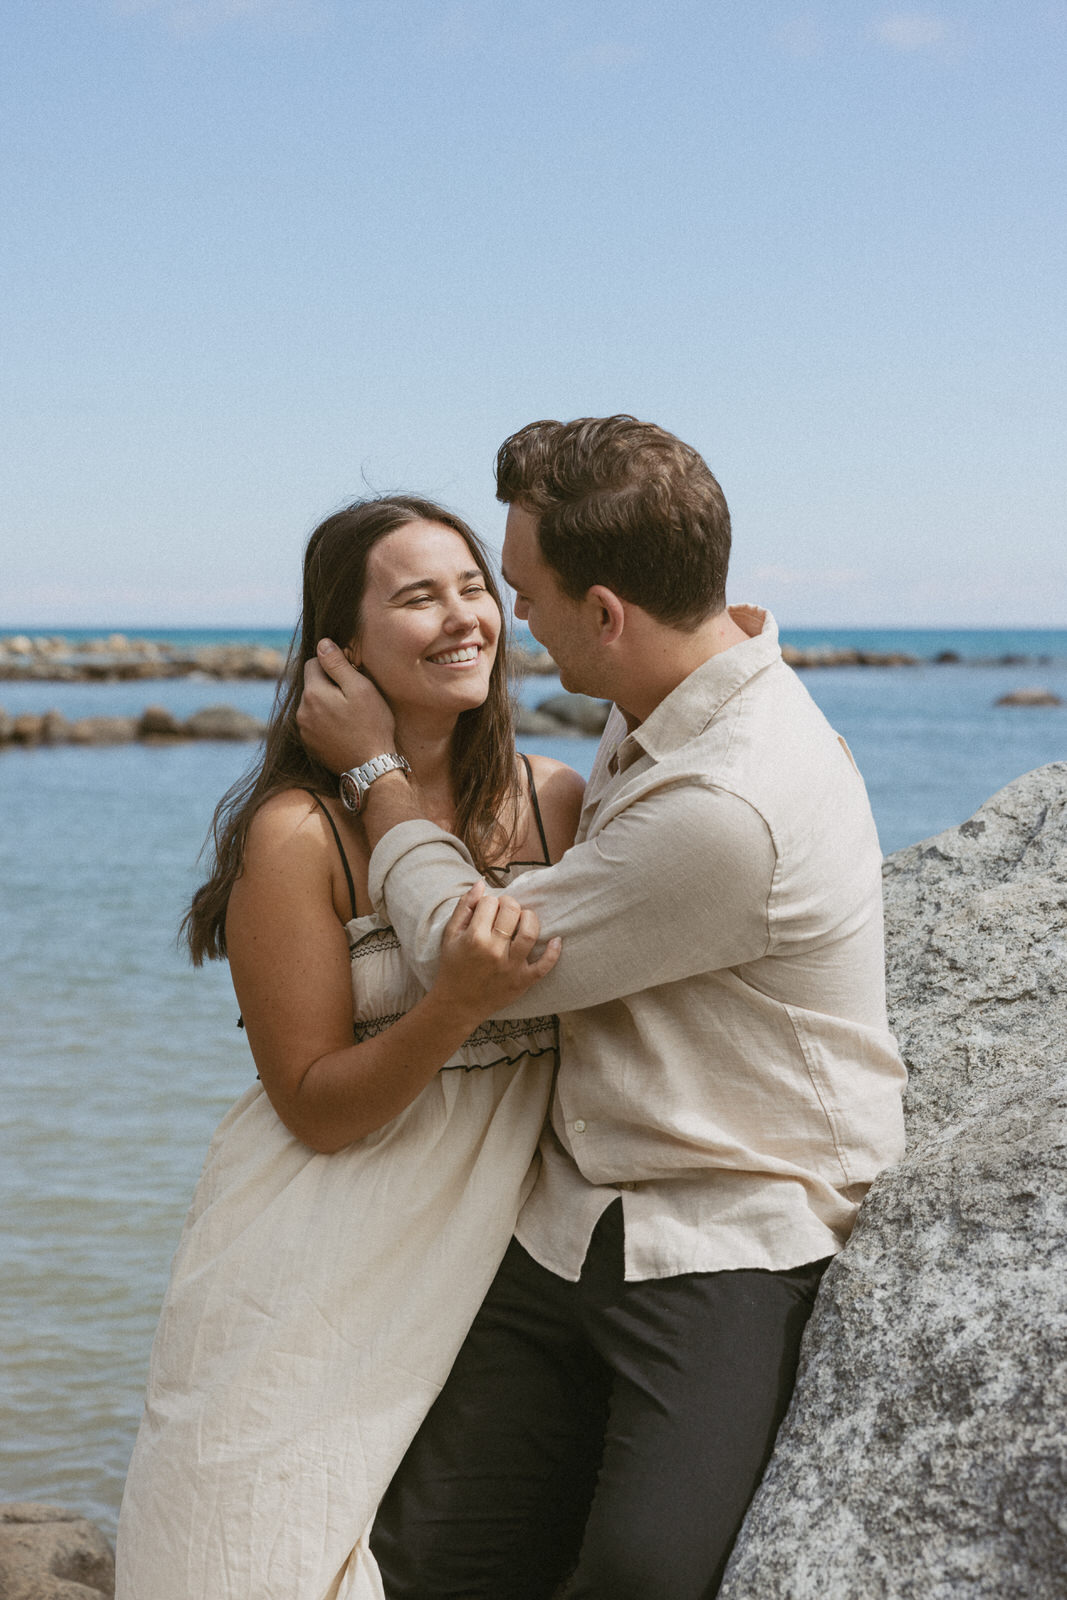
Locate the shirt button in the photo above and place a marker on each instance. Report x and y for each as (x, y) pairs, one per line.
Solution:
(579, 1126)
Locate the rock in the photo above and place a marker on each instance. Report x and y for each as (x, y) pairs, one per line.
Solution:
(103, 730)
(26, 728)
(947, 658)
(47, 1553)
(578, 711)
(7, 726)
(158, 723)
(922, 1457)
(1029, 697)
(536, 722)
(55, 729)
(223, 722)
(524, 663)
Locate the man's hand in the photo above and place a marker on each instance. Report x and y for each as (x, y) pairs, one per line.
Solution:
(342, 719)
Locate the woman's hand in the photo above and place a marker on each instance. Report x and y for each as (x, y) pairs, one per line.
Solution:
(486, 955)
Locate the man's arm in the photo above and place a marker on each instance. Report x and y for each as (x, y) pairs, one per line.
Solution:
(676, 883)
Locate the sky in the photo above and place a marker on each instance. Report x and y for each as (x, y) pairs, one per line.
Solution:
(261, 257)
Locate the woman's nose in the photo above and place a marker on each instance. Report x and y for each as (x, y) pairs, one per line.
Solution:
(461, 615)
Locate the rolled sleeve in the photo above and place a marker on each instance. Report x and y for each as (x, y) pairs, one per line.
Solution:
(675, 883)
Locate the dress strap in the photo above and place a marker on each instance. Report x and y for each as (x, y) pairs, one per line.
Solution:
(340, 848)
(536, 808)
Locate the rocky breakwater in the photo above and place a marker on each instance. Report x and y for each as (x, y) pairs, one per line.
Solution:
(155, 725)
(119, 659)
(47, 1553)
(923, 1456)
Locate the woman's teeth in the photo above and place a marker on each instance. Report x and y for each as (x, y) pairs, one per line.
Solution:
(449, 657)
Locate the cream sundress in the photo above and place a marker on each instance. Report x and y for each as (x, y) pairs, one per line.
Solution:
(315, 1306)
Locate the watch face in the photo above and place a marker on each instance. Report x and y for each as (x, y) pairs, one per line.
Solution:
(351, 794)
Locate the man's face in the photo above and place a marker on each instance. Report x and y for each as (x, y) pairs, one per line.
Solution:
(552, 617)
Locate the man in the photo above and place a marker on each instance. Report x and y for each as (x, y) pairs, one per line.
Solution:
(728, 1087)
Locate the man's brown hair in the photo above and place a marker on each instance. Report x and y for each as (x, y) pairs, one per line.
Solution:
(624, 504)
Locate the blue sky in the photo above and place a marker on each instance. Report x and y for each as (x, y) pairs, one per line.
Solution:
(262, 256)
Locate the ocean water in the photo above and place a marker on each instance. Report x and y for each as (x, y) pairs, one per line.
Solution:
(118, 1060)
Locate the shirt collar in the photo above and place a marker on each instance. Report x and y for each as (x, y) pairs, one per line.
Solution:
(689, 708)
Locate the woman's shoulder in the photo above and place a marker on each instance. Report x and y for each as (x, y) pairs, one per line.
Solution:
(290, 820)
(559, 791)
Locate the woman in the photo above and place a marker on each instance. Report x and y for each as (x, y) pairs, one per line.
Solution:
(355, 1203)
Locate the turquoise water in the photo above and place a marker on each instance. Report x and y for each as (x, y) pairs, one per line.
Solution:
(118, 1060)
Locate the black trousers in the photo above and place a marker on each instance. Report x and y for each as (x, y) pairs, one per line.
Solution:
(606, 1433)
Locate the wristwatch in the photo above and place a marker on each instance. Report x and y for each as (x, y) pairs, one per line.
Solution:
(355, 784)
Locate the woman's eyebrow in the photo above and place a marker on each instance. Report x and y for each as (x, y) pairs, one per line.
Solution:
(433, 583)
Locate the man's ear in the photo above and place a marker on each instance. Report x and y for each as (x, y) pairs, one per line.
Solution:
(351, 653)
(610, 613)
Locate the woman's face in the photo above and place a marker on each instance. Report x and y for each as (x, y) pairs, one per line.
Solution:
(428, 627)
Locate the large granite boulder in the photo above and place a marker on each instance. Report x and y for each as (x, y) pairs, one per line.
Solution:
(47, 1553)
(924, 1453)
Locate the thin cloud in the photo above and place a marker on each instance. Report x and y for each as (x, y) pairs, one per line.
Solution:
(910, 32)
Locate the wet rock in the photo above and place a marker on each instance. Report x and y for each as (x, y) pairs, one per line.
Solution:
(55, 728)
(922, 1458)
(1029, 697)
(26, 727)
(537, 722)
(223, 722)
(7, 726)
(48, 1553)
(578, 711)
(534, 663)
(158, 723)
(103, 730)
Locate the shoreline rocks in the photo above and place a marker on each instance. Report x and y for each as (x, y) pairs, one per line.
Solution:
(156, 725)
(118, 658)
(48, 1553)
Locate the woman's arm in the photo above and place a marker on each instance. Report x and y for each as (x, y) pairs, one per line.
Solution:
(290, 965)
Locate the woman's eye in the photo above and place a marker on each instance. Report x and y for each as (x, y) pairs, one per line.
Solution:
(420, 600)
(475, 588)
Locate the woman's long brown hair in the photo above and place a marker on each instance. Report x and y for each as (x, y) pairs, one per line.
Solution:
(484, 782)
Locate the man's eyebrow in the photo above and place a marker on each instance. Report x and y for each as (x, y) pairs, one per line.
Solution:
(504, 575)
(433, 583)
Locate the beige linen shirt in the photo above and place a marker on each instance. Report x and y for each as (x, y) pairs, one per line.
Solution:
(726, 1063)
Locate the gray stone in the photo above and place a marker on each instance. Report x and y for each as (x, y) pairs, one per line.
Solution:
(103, 730)
(55, 728)
(157, 722)
(579, 711)
(47, 1553)
(26, 727)
(923, 1455)
(537, 722)
(7, 726)
(223, 722)
(1029, 697)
